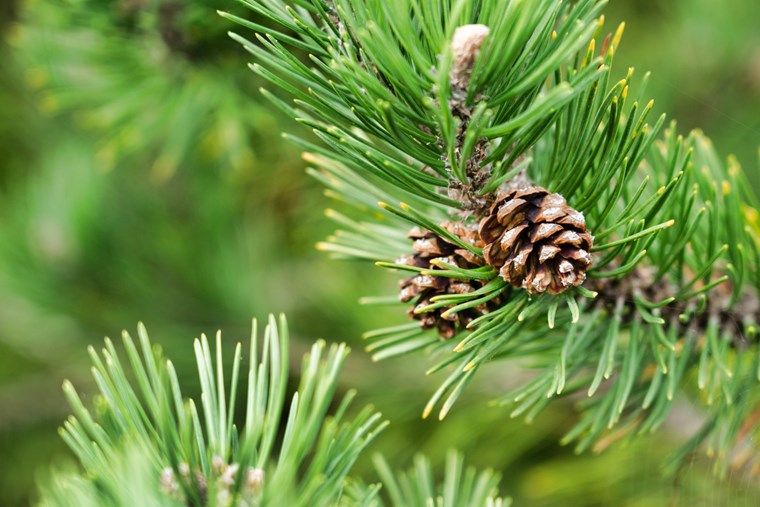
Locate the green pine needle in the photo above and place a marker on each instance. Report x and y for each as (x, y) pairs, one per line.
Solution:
(179, 454)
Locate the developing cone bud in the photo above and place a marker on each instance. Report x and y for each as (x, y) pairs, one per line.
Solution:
(537, 241)
(466, 46)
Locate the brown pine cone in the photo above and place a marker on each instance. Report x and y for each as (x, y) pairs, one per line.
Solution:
(428, 247)
(537, 241)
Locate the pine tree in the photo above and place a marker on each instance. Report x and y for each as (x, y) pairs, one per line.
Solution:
(619, 262)
(538, 220)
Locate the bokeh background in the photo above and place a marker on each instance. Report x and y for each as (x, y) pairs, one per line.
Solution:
(143, 178)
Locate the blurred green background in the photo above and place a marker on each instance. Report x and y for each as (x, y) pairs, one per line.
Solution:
(142, 177)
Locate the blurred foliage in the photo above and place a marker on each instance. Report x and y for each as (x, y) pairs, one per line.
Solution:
(705, 62)
(142, 178)
(156, 80)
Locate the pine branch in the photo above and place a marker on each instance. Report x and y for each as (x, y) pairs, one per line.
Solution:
(416, 487)
(143, 443)
(195, 452)
(497, 132)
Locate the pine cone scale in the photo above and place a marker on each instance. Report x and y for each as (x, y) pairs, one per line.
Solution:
(510, 237)
(548, 252)
(510, 208)
(470, 257)
(511, 221)
(544, 231)
(546, 214)
(573, 218)
(577, 255)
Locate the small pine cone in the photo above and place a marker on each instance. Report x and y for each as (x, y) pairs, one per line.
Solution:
(428, 247)
(537, 241)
